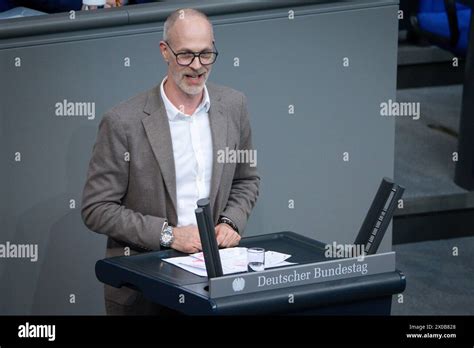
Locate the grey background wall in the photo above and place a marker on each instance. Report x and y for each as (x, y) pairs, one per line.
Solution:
(300, 156)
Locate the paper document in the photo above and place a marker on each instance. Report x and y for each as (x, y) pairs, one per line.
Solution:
(234, 260)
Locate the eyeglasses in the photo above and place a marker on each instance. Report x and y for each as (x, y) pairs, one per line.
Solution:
(187, 58)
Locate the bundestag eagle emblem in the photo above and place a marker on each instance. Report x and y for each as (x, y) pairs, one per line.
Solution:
(238, 284)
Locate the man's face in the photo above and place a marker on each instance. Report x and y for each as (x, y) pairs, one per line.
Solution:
(191, 34)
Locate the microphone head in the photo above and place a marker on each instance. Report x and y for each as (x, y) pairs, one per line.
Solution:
(203, 202)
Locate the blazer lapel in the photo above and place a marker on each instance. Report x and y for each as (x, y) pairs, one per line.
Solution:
(218, 122)
(159, 135)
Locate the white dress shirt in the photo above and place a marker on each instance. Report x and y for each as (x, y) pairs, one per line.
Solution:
(192, 152)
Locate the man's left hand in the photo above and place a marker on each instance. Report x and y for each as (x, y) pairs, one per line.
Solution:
(227, 237)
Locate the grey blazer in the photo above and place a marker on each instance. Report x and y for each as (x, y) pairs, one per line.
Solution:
(131, 184)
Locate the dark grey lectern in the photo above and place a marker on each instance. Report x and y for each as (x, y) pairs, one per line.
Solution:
(165, 283)
(317, 284)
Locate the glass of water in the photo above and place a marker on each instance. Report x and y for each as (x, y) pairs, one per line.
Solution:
(256, 259)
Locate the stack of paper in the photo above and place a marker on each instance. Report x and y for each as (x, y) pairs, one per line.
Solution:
(234, 260)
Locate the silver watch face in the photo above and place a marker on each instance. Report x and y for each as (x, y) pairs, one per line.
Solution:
(167, 237)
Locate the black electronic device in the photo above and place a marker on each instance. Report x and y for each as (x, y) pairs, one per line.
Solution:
(379, 215)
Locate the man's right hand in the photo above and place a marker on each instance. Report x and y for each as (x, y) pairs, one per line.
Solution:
(186, 239)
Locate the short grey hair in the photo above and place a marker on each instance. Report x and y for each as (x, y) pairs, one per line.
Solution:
(179, 14)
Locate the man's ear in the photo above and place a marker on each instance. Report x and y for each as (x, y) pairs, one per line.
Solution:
(164, 51)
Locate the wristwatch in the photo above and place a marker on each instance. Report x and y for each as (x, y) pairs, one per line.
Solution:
(167, 236)
(226, 220)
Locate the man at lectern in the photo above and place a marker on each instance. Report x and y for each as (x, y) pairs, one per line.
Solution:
(159, 152)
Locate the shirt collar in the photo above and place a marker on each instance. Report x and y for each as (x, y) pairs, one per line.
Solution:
(173, 112)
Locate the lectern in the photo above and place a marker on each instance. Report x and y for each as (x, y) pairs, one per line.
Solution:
(165, 284)
(316, 283)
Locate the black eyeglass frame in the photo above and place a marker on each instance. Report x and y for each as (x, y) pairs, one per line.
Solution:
(195, 55)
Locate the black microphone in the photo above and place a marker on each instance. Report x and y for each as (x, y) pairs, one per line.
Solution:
(208, 239)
